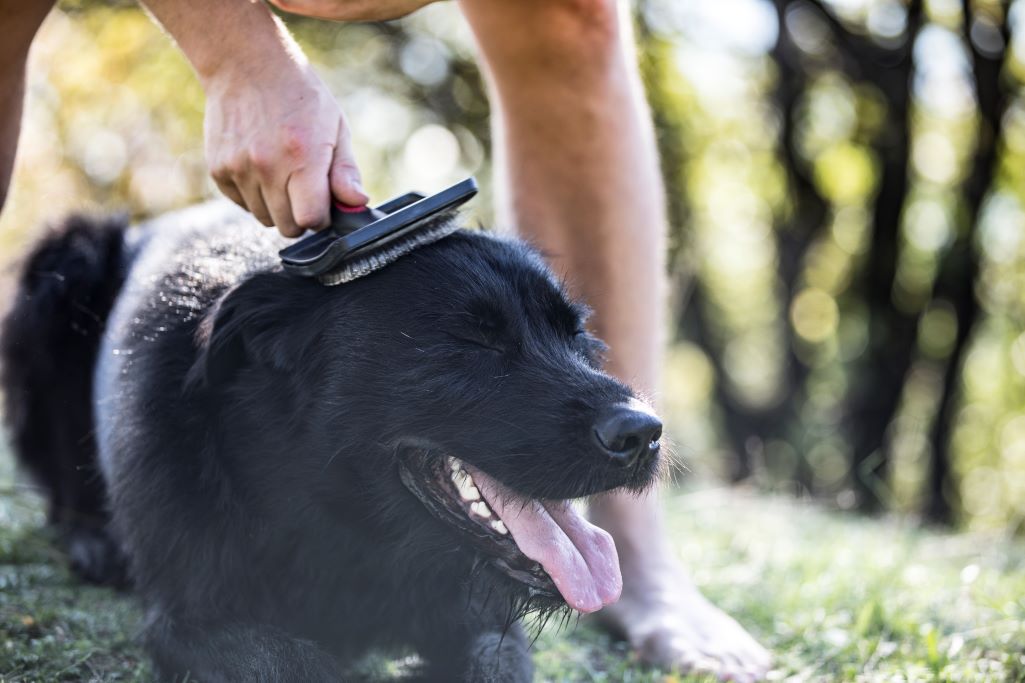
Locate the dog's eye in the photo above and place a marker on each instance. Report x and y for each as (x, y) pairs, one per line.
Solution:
(485, 345)
(589, 346)
(480, 343)
(582, 337)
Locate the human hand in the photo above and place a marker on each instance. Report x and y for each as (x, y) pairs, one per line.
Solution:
(351, 10)
(278, 144)
(276, 140)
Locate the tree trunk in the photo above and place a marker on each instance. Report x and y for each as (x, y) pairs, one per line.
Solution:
(959, 269)
(879, 375)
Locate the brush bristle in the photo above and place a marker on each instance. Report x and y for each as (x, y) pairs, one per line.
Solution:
(373, 261)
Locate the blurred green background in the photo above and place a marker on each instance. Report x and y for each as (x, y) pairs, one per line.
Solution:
(846, 183)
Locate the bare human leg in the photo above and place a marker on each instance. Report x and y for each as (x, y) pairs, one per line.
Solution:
(577, 173)
(21, 20)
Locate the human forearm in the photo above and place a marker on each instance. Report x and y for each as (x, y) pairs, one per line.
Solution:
(227, 36)
(351, 10)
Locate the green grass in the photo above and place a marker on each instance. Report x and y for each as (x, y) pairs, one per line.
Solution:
(836, 598)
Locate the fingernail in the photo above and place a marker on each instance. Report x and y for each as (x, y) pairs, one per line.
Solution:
(357, 185)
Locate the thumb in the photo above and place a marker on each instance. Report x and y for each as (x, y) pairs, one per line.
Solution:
(346, 184)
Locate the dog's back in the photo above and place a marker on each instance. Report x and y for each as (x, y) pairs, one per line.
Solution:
(182, 262)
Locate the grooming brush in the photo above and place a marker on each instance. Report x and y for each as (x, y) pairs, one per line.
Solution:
(362, 239)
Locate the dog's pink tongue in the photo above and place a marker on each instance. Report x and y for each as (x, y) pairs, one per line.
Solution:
(580, 558)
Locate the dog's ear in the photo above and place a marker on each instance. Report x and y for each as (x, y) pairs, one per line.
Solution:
(261, 322)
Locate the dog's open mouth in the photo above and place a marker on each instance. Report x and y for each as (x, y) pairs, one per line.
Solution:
(546, 545)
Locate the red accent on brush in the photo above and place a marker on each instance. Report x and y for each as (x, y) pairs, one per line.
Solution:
(347, 208)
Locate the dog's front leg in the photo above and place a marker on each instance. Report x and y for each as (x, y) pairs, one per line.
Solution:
(487, 655)
(230, 652)
(494, 656)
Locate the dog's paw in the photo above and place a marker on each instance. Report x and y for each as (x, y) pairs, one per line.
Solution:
(94, 557)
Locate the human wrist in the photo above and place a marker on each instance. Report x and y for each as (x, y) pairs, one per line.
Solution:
(251, 71)
(263, 55)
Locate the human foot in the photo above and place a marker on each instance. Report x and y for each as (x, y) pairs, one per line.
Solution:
(675, 627)
(663, 616)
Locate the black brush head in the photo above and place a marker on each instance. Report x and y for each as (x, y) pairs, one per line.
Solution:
(362, 240)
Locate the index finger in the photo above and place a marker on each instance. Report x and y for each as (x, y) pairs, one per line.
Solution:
(310, 196)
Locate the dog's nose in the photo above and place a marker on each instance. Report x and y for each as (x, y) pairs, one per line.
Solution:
(628, 432)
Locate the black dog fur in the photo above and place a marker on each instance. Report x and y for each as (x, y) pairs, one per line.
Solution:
(241, 431)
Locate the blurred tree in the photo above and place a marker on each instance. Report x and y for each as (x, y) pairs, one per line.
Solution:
(879, 375)
(988, 38)
(813, 41)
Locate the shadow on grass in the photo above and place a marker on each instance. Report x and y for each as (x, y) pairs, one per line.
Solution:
(53, 628)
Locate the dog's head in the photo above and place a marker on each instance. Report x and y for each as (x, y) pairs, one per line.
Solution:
(462, 374)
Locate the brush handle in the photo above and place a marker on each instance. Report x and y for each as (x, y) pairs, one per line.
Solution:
(356, 229)
(346, 219)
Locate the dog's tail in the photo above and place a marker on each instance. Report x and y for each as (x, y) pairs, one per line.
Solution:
(49, 342)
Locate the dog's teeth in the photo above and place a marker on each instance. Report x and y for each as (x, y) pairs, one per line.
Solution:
(480, 509)
(454, 464)
(499, 526)
(469, 492)
(464, 484)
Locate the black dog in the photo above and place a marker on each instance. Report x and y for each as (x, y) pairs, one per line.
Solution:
(297, 474)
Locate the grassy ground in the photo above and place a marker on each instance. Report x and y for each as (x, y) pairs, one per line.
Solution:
(836, 598)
